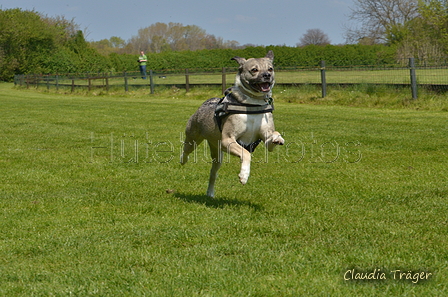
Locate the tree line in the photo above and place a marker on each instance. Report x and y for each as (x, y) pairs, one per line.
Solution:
(390, 30)
(161, 37)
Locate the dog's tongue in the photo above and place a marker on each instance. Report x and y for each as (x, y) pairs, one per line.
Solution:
(265, 87)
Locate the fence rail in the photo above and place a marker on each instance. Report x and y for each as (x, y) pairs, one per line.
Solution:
(413, 75)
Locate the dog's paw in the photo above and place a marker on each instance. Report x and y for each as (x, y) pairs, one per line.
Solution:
(278, 140)
(244, 176)
(183, 160)
(211, 193)
(243, 179)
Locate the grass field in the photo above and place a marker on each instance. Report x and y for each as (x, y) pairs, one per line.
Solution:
(95, 203)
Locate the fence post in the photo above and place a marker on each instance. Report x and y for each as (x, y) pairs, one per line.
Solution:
(126, 87)
(224, 84)
(413, 78)
(57, 82)
(187, 81)
(323, 79)
(151, 81)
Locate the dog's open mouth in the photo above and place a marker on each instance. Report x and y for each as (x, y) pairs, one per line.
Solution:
(264, 87)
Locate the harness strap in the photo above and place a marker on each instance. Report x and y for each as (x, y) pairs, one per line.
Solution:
(246, 108)
(224, 109)
(250, 147)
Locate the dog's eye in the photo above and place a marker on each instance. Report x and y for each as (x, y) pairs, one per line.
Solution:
(254, 70)
(271, 69)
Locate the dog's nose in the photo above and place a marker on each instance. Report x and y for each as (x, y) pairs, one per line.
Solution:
(266, 75)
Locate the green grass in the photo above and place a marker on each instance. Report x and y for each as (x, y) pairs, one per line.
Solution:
(83, 214)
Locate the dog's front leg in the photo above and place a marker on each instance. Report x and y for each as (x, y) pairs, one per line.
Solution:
(233, 148)
(273, 140)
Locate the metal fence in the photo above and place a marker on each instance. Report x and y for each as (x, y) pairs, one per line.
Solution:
(413, 75)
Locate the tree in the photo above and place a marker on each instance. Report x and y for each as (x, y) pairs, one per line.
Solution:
(161, 37)
(65, 28)
(25, 42)
(425, 37)
(435, 15)
(117, 42)
(376, 17)
(33, 43)
(315, 37)
(107, 46)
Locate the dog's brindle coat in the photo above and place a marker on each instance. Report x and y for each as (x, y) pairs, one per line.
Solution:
(253, 88)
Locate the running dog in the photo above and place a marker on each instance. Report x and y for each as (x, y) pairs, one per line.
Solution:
(238, 122)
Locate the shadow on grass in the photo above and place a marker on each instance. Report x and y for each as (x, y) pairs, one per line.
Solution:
(216, 202)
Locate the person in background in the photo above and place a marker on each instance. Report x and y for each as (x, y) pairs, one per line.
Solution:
(142, 63)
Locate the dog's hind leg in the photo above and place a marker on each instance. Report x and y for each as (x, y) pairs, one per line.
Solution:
(216, 155)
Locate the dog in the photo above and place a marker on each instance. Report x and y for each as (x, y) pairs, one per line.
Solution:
(238, 122)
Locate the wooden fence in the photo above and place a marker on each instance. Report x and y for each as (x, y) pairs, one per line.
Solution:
(410, 76)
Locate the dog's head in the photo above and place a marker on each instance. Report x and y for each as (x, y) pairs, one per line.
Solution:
(256, 76)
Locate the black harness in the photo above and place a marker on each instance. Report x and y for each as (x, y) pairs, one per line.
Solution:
(225, 108)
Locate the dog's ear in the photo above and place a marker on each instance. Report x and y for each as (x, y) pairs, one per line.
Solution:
(240, 60)
(270, 55)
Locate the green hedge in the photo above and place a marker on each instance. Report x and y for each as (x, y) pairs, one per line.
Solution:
(346, 55)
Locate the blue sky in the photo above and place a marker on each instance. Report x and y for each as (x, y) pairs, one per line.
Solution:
(260, 22)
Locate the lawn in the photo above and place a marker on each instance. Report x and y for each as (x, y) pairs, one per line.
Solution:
(95, 203)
